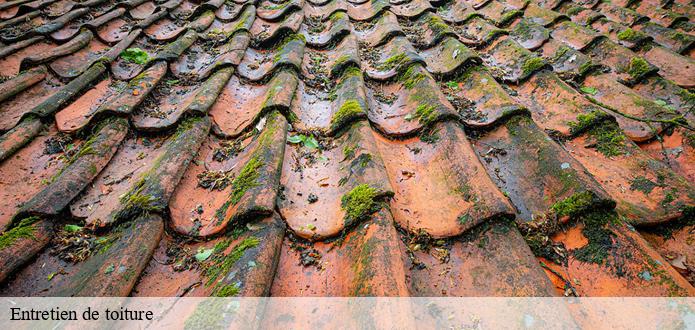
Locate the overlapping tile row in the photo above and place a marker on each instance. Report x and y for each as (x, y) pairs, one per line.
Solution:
(161, 148)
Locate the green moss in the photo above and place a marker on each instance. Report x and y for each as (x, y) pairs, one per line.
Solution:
(608, 139)
(25, 229)
(209, 314)
(359, 203)
(560, 53)
(437, 24)
(342, 60)
(573, 205)
(629, 35)
(229, 290)
(425, 114)
(508, 16)
(411, 77)
(364, 159)
(246, 179)
(586, 121)
(392, 62)
(585, 67)
(136, 201)
(349, 152)
(531, 65)
(222, 264)
(638, 67)
(600, 239)
(348, 111)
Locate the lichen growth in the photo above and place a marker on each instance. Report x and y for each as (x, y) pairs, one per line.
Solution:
(600, 239)
(574, 204)
(25, 229)
(359, 203)
(348, 111)
(640, 183)
(437, 25)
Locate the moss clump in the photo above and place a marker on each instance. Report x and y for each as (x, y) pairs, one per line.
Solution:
(229, 290)
(246, 180)
(222, 264)
(629, 35)
(410, 77)
(424, 113)
(586, 121)
(608, 139)
(600, 239)
(208, 315)
(392, 62)
(437, 24)
(359, 203)
(25, 229)
(348, 111)
(573, 205)
(531, 65)
(349, 152)
(562, 51)
(638, 67)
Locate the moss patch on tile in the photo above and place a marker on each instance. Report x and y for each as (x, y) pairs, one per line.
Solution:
(531, 65)
(25, 229)
(600, 239)
(573, 205)
(247, 179)
(608, 139)
(425, 114)
(638, 67)
(587, 120)
(348, 111)
(221, 264)
(359, 203)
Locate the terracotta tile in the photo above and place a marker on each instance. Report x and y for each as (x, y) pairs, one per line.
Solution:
(229, 10)
(24, 174)
(411, 9)
(669, 38)
(21, 82)
(165, 29)
(350, 162)
(619, 14)
(73, 65)
(555, 105)
(528, 34)
(567, 62)
(456, 11)
(646, 190)
(203, 58)
(14, 109)
(265, 33)
(511, 62)
(367, 263)
(318, 106)
(144, 10)
(479, 99)
(575, 36)
(665, 17)
(499, 13)
(534, 172)
(259, 164)
(22, 250)
(617, 97)
(410, 106)
(272, 11)
(82, 168)
(676, 151)
(380, 32)
(59, 8)
(78, 42)
(673, 66)
(626, 65)
(324, 10)
(320, 34)
(19, 136)
(666, 93)
(447, 171)
(241, 103)
(366, 10)
(427, 31)
(449, 56)
(396, 55)
(542, 16)
(478, 31)
(493, 260)
(260, 64)
(10, 65)
(672, 244)
(631, 268)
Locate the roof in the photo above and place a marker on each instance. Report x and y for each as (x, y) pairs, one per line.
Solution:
(347, 148)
